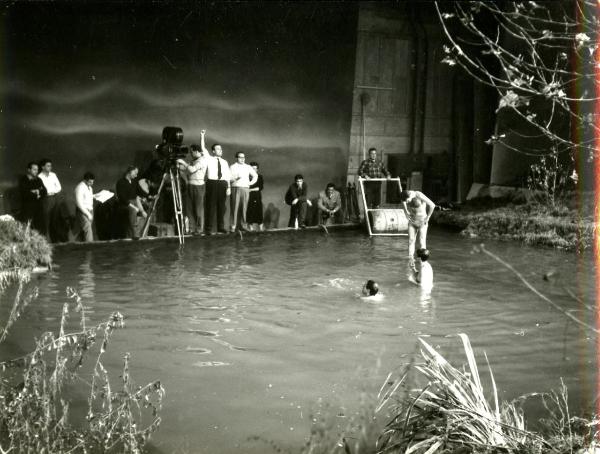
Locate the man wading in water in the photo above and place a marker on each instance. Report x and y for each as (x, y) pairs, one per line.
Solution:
(418, 209)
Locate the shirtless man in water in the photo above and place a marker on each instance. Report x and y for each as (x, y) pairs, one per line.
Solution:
(418, 209)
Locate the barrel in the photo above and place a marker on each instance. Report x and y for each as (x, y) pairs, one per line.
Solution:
(388, 220)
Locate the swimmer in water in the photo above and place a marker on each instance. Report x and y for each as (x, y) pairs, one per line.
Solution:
(424, 276)
(371, 288)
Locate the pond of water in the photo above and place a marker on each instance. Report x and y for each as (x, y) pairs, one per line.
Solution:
(251, 336)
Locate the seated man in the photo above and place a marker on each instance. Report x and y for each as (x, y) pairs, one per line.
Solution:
(298, 201)
(330, 204)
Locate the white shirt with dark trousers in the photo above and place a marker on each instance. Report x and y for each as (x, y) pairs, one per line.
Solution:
(84, 199)
(50, 210)
(216, 193)
(242, 176)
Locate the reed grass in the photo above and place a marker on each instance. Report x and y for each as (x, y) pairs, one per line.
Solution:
(452, 414)
(36, 392)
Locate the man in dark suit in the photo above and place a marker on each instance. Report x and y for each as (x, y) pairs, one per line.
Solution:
(298, 201)
(32, 190)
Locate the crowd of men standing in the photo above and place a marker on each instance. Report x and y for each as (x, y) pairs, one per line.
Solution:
(209, 180)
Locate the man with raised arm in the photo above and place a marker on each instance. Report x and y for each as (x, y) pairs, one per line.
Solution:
(218, 187)
(373, 168)
(196, 173)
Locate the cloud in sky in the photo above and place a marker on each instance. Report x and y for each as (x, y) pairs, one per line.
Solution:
(95, 92)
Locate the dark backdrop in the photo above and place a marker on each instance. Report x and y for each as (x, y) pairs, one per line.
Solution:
(91, 85)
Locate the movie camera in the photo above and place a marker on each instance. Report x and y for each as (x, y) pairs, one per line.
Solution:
(171, 148)
(169, 151)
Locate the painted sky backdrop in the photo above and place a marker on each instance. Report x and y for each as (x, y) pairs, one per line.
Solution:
(92, 85)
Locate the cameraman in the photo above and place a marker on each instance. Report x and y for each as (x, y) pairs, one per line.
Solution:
(195, 172)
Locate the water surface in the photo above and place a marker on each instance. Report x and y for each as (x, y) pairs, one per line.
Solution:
(250, 336)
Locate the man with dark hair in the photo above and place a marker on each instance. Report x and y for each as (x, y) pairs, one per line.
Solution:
(418, 209)
(195, 173)
(296, 197)
(50, 203)
(218, 187)
(242, 177)
(373, 168)
(129, 203)
(330, 203)
(32, 192)
(84, 201)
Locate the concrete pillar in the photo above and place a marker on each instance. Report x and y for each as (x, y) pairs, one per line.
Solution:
(464, 136)
(484, 102)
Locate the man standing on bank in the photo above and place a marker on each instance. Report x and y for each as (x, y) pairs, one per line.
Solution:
(242, 177)
(218, 187)
(32, 191)
(50, 203)
(196, 172)
(373, 168)
(84, 200)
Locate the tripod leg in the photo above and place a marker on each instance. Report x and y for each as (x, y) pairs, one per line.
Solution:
(147, 223)
(176, 188)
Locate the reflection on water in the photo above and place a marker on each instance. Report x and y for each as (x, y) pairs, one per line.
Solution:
(248, 334)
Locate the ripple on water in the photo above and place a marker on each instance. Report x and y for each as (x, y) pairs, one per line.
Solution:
(210, 364)
(198, 350)
(203, 333)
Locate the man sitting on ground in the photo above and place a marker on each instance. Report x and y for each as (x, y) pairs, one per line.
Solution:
(298, 201)
(330, 204)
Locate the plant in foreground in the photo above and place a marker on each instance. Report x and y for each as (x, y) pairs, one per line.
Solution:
(451, 414)
(34, 414)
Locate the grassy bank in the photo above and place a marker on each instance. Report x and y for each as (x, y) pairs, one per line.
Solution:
(567, 225)
(22, 247)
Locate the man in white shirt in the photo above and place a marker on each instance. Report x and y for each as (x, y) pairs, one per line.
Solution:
(50, 202)
(242, 177)
(218, 187)
(84, 200)
(196, 174)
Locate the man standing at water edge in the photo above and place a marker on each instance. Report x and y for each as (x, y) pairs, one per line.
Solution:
(242, 177)
(196, 173)
(84, 200)
(418, 209)
(218, 179)
(129, 202)
(50, 202)
(32, 191)
(373, 168)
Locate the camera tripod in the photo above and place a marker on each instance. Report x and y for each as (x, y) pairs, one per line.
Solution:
(173, 174)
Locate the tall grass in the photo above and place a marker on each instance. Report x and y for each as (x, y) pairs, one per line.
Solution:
(452, 414)
(36, 392)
